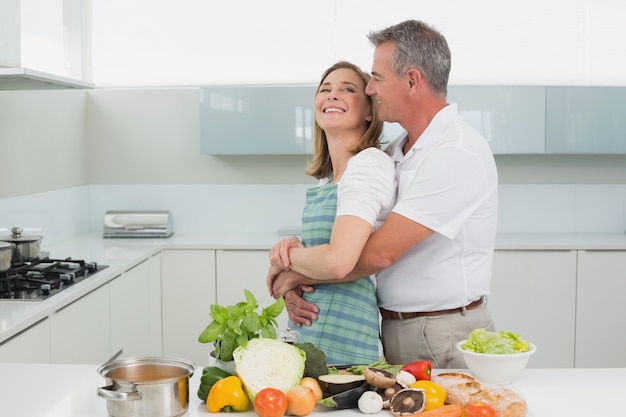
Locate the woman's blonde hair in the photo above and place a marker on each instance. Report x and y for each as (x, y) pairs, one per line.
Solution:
(320, 165)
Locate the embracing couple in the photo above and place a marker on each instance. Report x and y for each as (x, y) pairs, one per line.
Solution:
(405, 235)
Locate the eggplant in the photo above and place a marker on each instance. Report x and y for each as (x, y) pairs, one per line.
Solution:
(346, 399)
(337, 383)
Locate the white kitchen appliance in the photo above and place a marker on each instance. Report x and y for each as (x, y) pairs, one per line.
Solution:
(137, 223)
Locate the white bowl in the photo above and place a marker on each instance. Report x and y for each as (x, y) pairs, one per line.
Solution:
(495, 369)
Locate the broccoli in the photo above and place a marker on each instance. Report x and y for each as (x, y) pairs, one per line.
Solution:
(315, 364)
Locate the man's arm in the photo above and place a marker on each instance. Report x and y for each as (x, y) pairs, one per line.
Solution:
(387, 244)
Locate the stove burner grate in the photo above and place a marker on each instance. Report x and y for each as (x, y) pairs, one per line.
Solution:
(39, 279)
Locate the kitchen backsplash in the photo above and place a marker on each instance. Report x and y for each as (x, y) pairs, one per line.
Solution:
(232, 208)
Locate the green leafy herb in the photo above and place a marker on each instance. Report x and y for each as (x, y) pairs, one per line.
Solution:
(234, 325)
(379, 364)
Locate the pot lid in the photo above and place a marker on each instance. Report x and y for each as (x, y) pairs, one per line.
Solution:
(5, 245)
(17, 236)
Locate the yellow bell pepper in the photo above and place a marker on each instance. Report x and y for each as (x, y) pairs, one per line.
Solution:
(435, 394)
(227, 394)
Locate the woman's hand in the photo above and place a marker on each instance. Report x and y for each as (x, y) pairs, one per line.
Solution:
(279, 254)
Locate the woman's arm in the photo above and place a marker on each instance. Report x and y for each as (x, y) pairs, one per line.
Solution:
(365, 194)
(333, 261)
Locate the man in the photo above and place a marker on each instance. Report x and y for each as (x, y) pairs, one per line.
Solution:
(433, 254)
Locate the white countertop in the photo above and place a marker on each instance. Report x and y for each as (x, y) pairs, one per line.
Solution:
(122, 254)
(35, 390)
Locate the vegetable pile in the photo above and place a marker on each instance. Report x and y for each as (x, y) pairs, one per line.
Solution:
(500, 343)
(270, 379)
(277, 378)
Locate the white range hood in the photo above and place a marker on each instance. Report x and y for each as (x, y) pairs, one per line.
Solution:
(26, 79)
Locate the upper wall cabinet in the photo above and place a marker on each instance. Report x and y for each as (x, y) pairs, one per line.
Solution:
(262, 120)
(586, 120)
(256, 120)
(511, 118)
(278, 119)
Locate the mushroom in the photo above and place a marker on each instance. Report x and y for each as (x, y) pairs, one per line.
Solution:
(405, 378)
(379, 378)
(388, 393)
(408, 401)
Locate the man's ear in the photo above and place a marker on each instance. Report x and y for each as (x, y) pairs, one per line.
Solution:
(413, 76)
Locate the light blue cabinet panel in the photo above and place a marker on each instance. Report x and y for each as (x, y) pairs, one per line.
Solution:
(512, 118)
(256, 120)
(586, 120)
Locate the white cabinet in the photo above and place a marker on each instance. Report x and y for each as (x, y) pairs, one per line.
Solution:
(242, 120)
(600, 312)
(188, 290)
(136, 310)
(244, 269)
(80, 332)
(511, 118)
(534, 293)
(31, 345)
(586, 120)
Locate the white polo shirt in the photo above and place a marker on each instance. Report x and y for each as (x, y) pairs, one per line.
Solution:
(447, 182)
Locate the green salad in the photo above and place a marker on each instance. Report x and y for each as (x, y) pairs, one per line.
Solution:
(499, 343)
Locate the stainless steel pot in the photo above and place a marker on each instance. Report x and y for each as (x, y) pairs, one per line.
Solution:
(6, 254)
(146, 386)
(26, 248)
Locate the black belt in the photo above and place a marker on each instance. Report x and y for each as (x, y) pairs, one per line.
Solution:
(396, 315)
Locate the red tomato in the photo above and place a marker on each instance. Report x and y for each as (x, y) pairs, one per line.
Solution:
(478, 409)
(270, 402)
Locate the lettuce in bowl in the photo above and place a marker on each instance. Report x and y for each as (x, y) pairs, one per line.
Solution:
(498, 343)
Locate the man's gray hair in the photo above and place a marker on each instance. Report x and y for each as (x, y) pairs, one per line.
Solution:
(418, 46)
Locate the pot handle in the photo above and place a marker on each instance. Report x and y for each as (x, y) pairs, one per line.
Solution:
(110, 394)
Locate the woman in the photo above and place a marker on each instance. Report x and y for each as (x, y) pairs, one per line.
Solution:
(356, 192)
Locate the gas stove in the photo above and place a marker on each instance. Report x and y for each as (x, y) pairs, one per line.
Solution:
(42, 278)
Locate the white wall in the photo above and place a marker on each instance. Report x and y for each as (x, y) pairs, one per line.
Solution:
(196, 42)
(42, 141)
(66, 156)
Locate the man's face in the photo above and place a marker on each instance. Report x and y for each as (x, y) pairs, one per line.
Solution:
(384, 84)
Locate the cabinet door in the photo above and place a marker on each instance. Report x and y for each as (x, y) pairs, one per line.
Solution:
(586, 120)
(31, 345)
(80, 332)
(242, 120)
(533, 293)
(188, 290)
(600, 336)
(136, 310)
(511, 118)
(244, 269)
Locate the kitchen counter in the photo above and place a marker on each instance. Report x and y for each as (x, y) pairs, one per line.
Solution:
(30, 390)
(122, 254)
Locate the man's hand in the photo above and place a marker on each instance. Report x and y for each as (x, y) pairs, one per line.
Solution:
(300, 311)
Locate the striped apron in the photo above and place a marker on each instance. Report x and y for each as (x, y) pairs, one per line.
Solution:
(347, 325)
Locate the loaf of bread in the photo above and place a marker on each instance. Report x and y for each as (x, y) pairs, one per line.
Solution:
(462, 389)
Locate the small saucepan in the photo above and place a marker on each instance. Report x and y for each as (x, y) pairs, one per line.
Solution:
(6, 254)
(147, 386)
(26, 248)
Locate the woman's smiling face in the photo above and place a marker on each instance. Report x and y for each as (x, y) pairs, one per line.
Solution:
(341, 102)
